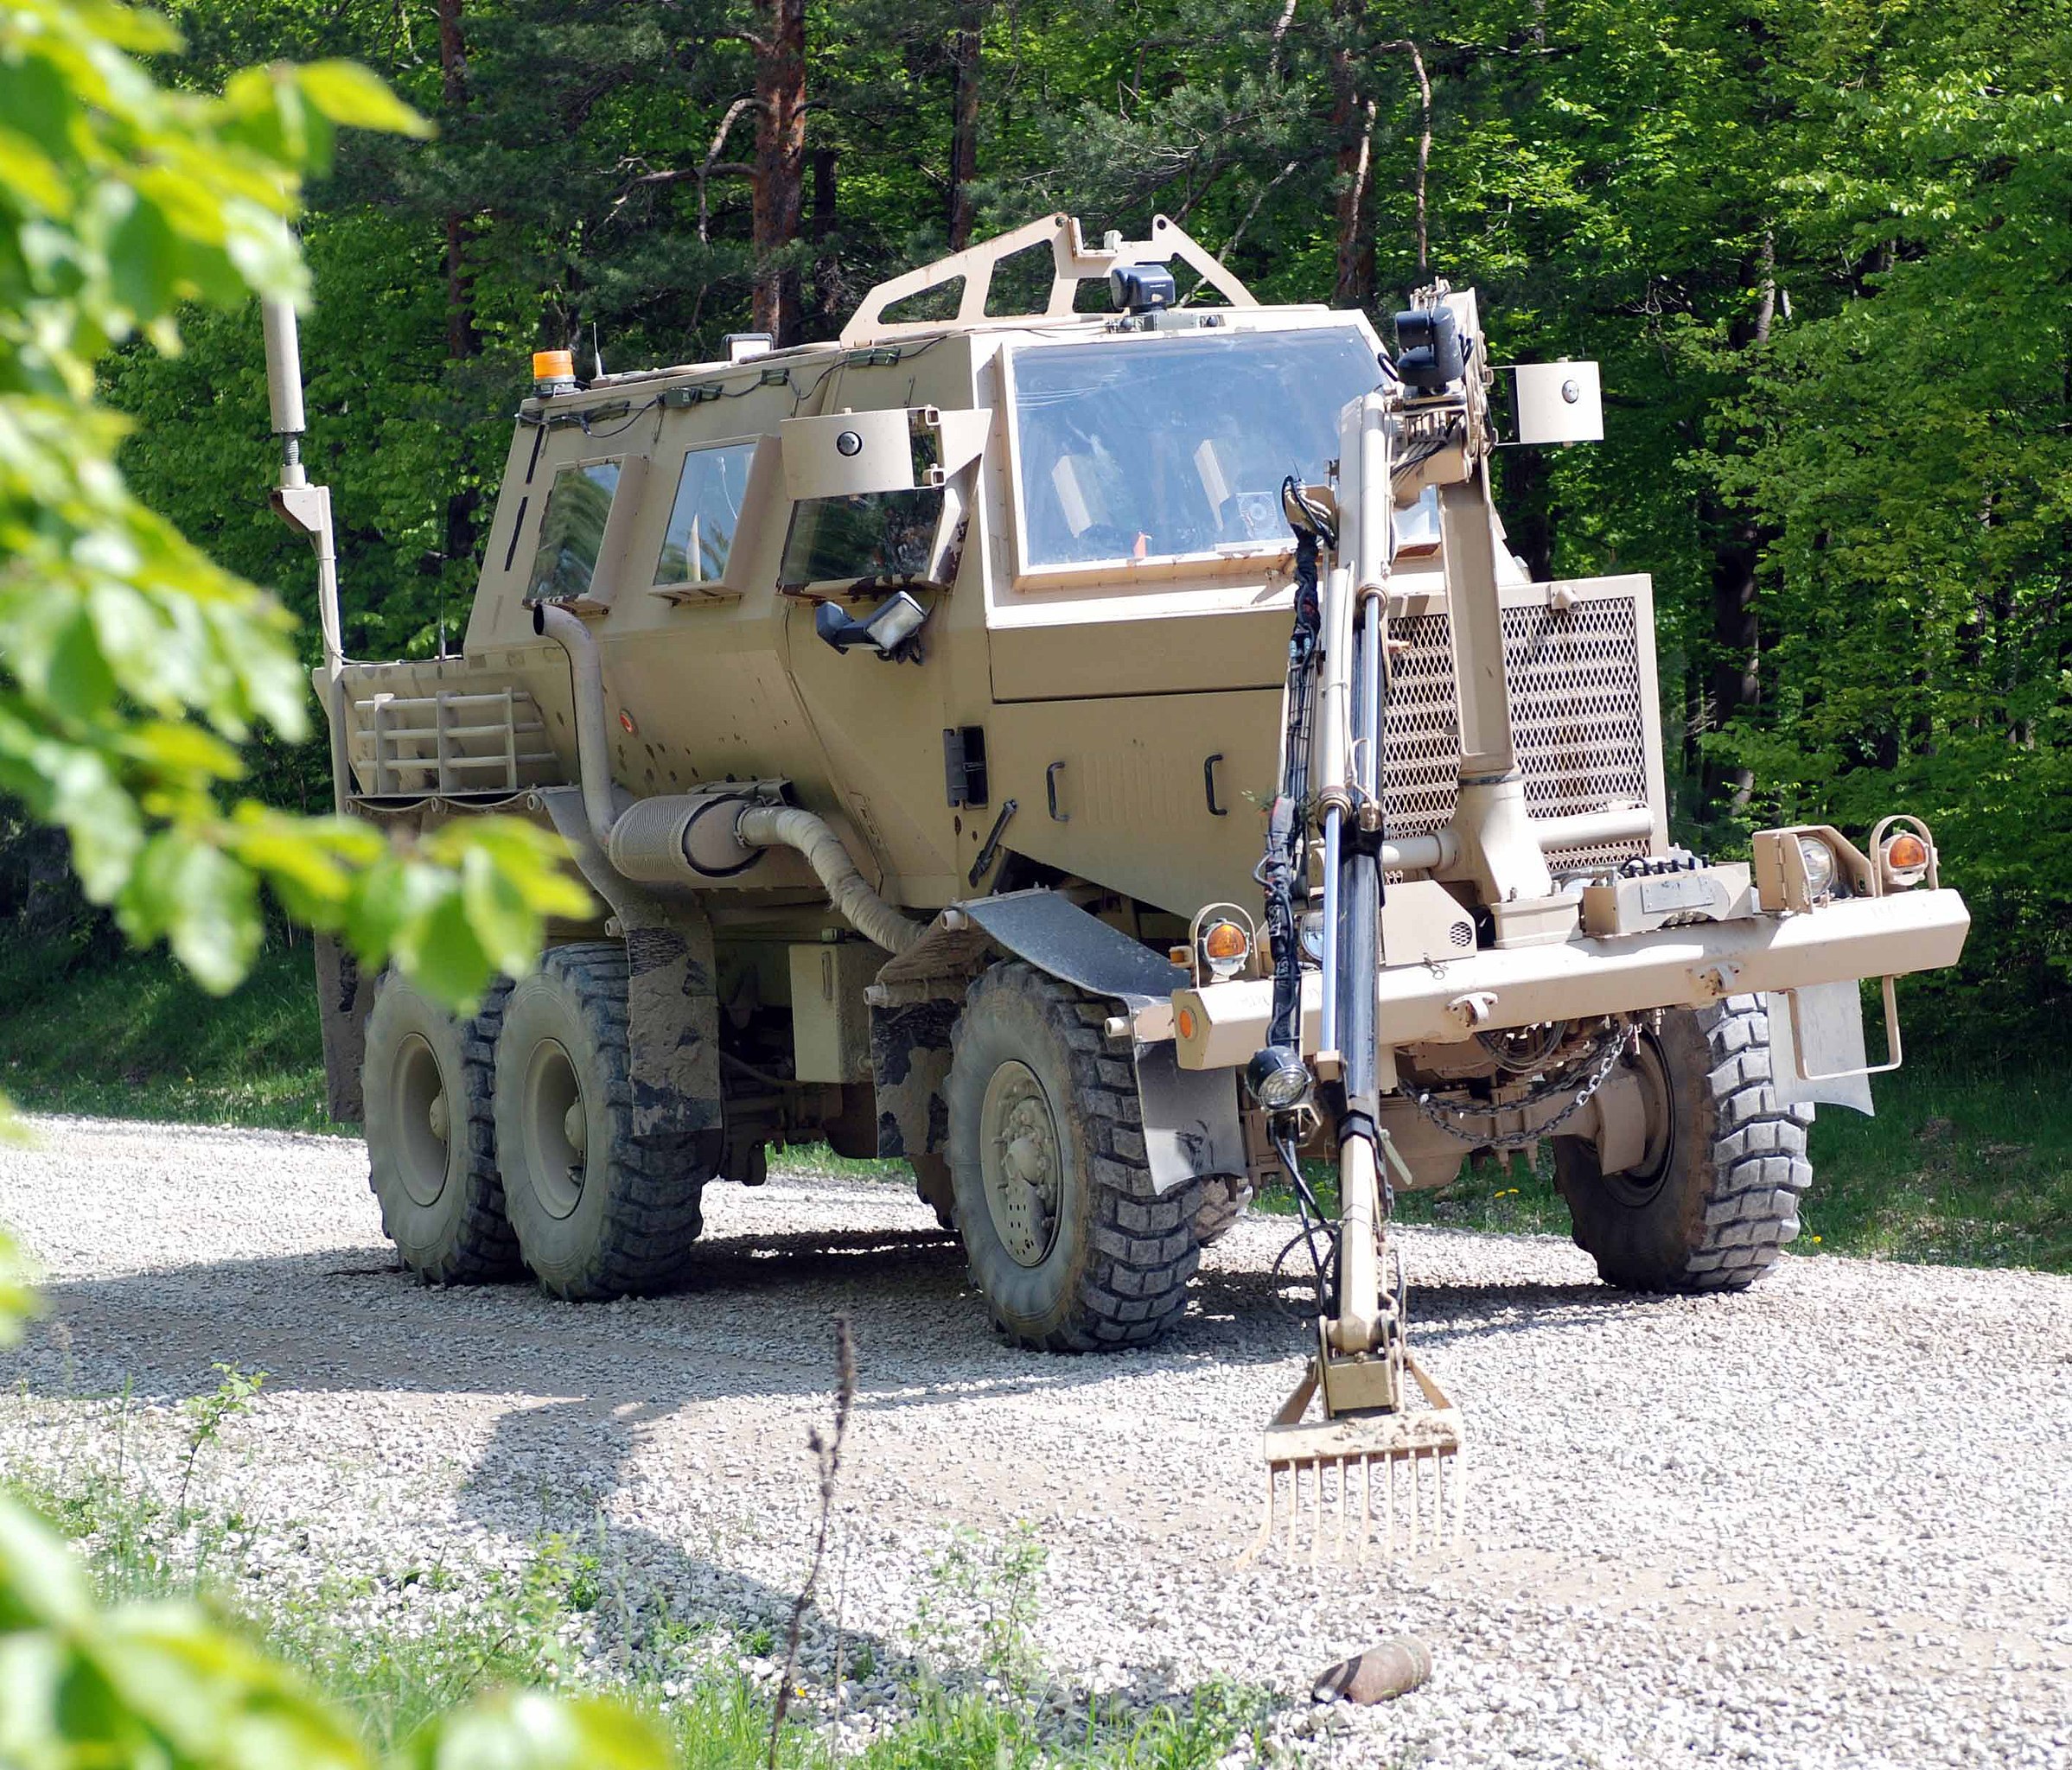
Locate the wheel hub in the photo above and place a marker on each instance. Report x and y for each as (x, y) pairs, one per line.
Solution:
(556, 1129)
(418, 1097)
(1637, 1185)
(1022, 1157)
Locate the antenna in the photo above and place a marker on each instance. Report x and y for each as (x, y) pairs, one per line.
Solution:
(596, 352)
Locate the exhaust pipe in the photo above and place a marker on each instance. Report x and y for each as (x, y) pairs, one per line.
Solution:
(307, 510)
(672, 840)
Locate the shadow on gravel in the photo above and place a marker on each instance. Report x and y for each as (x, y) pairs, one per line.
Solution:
(750, 1322)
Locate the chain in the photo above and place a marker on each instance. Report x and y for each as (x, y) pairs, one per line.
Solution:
(1443, 1116)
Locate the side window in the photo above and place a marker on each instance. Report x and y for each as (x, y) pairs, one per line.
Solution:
(703, 519)
(876, 535)
(571, 530)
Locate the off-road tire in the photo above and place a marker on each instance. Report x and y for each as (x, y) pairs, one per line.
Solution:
(459, 1235)
(1714, 1209)
(628, 1228)
(1117, 1270)
(1224, 1197)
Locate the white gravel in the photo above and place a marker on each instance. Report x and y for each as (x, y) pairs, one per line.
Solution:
(1824, 1522)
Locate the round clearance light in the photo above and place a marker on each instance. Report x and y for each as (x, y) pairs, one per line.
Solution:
(1818, 860)
(1225, 946)
(1906, 859)
(849, 443)
(1279, 1079)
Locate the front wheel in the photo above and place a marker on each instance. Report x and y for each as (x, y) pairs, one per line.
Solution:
(1072, 1248)
(1716, 1194)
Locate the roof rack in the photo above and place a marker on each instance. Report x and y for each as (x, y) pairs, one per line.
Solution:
(1073, 262)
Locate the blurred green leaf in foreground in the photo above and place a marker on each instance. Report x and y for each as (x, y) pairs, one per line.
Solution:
(131, 666)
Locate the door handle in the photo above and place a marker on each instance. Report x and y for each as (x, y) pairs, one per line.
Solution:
(1208, 786)
(1050, 776)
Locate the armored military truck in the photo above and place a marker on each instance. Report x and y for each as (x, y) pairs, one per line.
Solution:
(1084, 733)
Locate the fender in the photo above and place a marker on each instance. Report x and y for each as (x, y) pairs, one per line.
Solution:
(1189, 1129)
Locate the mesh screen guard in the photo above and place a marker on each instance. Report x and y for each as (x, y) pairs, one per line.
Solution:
(1581, 712)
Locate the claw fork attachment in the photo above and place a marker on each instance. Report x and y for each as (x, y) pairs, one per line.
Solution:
(1373, 1442)
(1396, 1479)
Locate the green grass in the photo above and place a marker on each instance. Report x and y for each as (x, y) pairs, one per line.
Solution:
(1965, 1167)
(390, 1665)
(1971, 1166)
(135, 1038)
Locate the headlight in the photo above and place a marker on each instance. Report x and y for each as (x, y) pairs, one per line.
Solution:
(1818, 860)
(1278, 1078)
(1312, 934)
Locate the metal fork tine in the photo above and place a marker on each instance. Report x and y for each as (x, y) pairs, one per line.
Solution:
(1316, 1512)
(1367, 1504)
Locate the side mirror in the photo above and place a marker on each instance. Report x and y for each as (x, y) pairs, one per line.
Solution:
(1558, 403)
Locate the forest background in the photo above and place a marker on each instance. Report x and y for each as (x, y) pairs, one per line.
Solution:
(1823, 249)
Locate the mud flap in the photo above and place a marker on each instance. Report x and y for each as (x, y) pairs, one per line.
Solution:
(343, 999)
(1190, 1118)
(910, 1059)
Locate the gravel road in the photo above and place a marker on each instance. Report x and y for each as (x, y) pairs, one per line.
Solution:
(1823, 1522)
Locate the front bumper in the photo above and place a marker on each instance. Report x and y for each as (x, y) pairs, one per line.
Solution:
(1219, 1026)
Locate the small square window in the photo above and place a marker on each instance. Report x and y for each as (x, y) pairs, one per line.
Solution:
(571, 530)
(703, 519)
(879, 537)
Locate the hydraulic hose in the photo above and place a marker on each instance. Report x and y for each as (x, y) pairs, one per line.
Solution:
(787, 826)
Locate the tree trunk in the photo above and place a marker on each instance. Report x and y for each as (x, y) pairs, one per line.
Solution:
(1737, 555)
(780, 166)
(965, 44)
(461, 338)
(830, 292)
(463, 341)
(1352, 122)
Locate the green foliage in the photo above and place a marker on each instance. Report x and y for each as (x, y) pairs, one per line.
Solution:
(131, 666)
(133, 1036)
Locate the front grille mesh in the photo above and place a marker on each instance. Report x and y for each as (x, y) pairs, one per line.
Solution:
(1575, 712)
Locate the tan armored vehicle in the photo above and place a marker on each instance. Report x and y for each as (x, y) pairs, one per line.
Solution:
(1094, 755)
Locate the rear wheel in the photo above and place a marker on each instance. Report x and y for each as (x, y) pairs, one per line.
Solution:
(430, 1133)
(1073, 1249)
(1716, 1194)
(597, 1214)
(1224, 1197)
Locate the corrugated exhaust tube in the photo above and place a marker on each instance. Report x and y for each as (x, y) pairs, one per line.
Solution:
(787, 826)
(757, 827)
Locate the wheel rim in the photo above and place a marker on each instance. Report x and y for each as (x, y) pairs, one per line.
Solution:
(417, 1098)
(556, 1128)
(1023, 1159)
(1637, 1185)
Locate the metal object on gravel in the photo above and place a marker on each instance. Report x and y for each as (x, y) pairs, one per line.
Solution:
(1389, 1669)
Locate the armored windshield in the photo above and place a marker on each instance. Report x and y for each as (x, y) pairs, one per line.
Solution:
(1176, 444)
